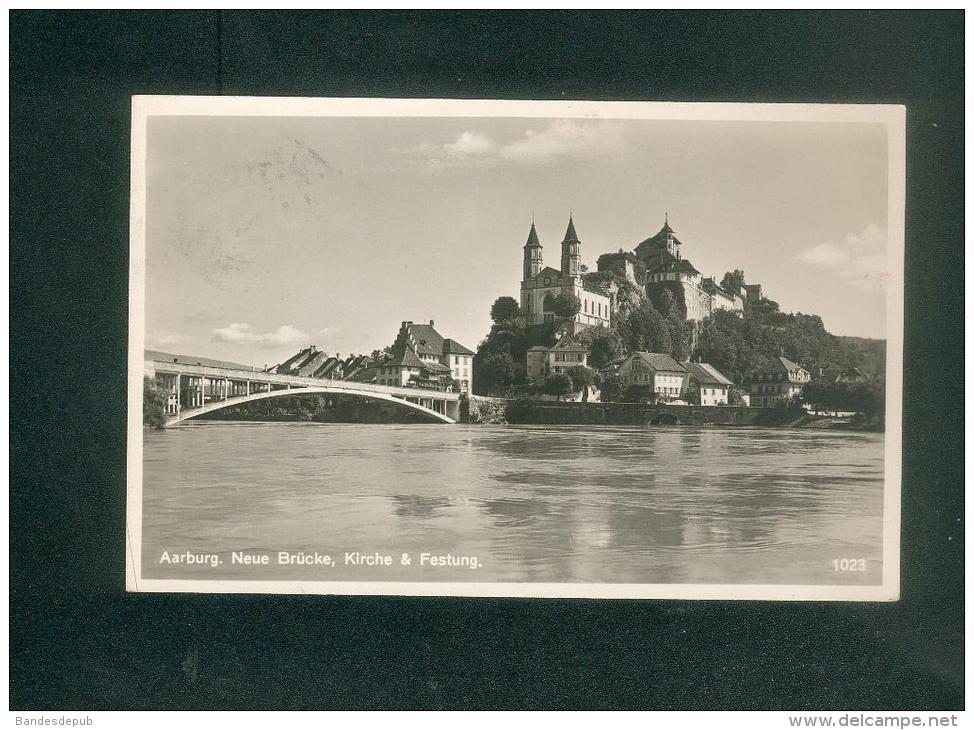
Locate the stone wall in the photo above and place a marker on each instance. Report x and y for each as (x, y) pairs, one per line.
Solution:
(642, 414)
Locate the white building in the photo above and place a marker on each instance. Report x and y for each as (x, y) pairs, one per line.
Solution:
(658, 372)
(424, 356)
(559, 358)
(707, 385)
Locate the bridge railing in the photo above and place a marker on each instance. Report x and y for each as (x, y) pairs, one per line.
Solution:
(208, 371)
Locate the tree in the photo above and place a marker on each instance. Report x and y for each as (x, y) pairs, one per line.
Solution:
(499, 368)
(733, 281)
(645, 329)
(566, 306)
(504, 309)
(559, 384)
(154, 399)
(636, 393)
(582, 378)
(611, 388)
(604, 347)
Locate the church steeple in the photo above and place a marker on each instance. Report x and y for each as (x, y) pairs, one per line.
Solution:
(532, 254)
(571, 258)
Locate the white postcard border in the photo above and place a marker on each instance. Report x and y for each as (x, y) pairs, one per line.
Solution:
(893, 116)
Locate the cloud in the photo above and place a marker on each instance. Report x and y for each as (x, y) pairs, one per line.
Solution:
(859, 259)
(165, 338)
(561, 139)
(825, 254)
(470, 143)
(564, 138)
(241, 332)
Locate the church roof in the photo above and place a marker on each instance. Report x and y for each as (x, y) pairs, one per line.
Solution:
(548, 271)
(533, 241)
(570, 235)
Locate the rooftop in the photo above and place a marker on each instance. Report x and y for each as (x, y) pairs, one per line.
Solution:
(706, 373)
(674, 265)
(570, 235)
(660, 361)
(452, 347)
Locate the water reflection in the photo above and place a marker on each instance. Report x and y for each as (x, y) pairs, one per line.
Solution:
(664, 504)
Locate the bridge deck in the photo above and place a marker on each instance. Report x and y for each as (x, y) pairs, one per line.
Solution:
(207, 371)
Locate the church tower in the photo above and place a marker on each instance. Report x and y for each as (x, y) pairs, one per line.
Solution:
(532, 255)
(571, 257)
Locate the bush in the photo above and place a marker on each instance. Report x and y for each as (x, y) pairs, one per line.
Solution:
(611, 388)
(559, 384)
(154, 399)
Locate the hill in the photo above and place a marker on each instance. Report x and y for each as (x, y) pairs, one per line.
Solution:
(197, 360)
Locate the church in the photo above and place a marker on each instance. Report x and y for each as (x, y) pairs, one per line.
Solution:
(541, 285)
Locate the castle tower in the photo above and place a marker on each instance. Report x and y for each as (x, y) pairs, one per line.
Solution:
(532, 255)
(670, 242)
(571, 258)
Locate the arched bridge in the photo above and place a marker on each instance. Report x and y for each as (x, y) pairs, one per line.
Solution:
(198, 389)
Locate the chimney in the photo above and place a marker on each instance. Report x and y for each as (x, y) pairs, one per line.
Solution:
(432, 323)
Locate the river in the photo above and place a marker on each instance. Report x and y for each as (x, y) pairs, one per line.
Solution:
(530, 503)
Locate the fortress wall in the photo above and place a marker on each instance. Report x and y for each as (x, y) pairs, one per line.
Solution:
(698, 302)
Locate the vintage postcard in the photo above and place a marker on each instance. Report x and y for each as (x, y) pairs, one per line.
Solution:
(515, 348)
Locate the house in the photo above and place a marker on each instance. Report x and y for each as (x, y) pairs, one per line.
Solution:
(559, 358)
(838, 374)
(439, 357)
(778, 383)
(293, 364)
(657, 372)
(707, 386)
(406, 368)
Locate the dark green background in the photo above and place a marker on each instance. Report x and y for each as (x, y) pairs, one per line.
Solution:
(78, 641)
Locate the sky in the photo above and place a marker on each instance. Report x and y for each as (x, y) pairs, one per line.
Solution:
(268, 234)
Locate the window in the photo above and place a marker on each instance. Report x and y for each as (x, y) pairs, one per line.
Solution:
(456, 359)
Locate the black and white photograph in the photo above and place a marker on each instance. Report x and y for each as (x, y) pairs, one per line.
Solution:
(486, 361)
(516, 348)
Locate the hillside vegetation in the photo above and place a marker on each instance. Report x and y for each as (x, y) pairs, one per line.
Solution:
(735, 345)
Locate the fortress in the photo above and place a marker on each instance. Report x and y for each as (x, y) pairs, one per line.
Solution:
(655, 265)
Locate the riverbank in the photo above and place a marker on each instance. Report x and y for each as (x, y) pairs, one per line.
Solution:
(535, 412)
